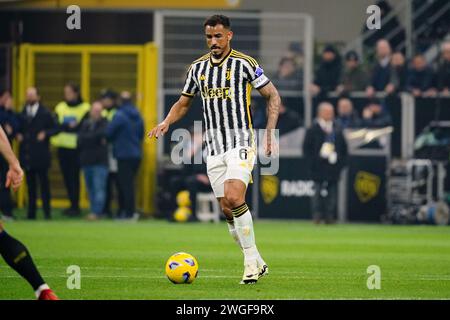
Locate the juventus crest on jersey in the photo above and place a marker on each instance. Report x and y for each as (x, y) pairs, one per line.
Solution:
(225, 88)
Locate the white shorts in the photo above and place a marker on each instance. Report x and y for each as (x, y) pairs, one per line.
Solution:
(236, 163)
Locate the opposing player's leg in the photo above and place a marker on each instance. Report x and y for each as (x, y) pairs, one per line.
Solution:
(17, 256)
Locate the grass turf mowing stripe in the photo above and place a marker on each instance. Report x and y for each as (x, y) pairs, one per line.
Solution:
(126, 260)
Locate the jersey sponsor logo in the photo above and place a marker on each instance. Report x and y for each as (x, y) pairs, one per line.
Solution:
(219, 93)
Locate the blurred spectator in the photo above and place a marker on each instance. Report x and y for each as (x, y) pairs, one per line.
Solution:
(9, 123)
(346, 116)
(420, 77)
(325, 150)
(37, 125)
(295, 52)
(375, 116)
(94, 158)
(443, 72)
(109, 101)
(289, 76)
(70, 112)
(329, 72)
(399, 74)
(126, 131)
(354, 78)
(288, 120)
(9, 119)
(381, 73)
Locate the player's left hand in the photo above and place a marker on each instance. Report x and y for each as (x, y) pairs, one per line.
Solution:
(270, 144)
(14, 177)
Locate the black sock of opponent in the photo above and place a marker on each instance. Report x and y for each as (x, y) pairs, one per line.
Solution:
(17, 257)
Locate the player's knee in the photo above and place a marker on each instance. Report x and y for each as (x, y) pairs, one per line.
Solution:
(234, 200)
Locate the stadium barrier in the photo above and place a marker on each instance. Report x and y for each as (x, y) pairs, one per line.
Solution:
(362, 188)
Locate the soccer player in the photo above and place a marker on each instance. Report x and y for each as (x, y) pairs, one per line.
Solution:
(13, 251)
(224, 77)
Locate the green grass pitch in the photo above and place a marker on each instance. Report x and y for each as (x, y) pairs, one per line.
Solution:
(120, 260)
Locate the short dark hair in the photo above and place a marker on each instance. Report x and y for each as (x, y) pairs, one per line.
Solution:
(108, 93)
(218, 19)
(287, 59)
(351, 55)
(75, 87)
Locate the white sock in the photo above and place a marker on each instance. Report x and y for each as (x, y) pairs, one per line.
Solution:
(41, 288)
(260, 260)
(233, 233)
(243, 224)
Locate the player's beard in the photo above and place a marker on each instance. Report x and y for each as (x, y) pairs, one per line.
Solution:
(220, 55)
(216, 55)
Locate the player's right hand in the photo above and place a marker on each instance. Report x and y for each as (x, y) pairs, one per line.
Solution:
(159, 130)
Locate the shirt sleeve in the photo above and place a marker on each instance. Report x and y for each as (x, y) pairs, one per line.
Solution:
(256, 75)
(190, 88)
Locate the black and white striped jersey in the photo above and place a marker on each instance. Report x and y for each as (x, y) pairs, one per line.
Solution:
(225, 88)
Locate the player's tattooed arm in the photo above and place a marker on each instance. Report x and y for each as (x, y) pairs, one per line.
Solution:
(270, 93)
(178, 110)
